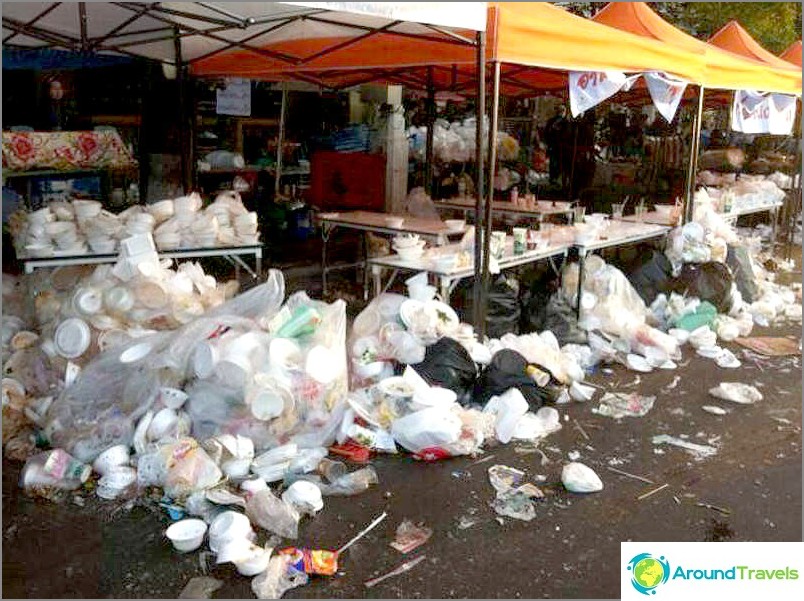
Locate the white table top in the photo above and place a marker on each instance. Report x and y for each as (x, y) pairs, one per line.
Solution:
(541, 207)
(652, 217)
(509, 259)
(749, 210)
(373, 221)
(622, 232)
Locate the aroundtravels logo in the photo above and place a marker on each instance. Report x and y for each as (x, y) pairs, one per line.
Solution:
(648, 572)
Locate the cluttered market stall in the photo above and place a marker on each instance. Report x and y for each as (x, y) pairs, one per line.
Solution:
(241, 407)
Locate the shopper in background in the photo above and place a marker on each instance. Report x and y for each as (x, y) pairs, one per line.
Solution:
(555, 133)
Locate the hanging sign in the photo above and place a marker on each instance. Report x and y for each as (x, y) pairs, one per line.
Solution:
(750, 112)
(782, 114)
(666, 93)
(590, 88)
(235, 98)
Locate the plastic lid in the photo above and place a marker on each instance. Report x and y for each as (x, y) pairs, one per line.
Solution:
(72, 338)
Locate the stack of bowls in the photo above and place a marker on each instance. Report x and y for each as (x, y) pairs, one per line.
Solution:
(246, 228)
(86, 209)
(409, 247)
(205, 230)
(162, 210)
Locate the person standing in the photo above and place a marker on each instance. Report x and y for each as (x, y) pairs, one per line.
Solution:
(554, 133)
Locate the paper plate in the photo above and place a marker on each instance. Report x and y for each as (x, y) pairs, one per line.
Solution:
(447, 318)
(72, 338)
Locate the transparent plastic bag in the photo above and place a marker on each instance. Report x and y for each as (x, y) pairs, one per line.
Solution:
(273, 514)
(262, 301)
(278, 578)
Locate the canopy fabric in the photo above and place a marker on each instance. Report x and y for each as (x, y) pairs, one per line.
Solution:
(723, 69)
(535, 41)
(793, 54)
(734, 38)
(208, 28)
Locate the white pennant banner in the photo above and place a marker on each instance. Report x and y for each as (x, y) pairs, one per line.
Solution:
(750, 112)
(590, 88)
(666, 93)
(782, 114)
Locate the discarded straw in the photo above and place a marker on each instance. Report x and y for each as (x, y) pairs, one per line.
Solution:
(580, 429)
(654, 491)
(408, 565)
(363, 533)
(634, 476)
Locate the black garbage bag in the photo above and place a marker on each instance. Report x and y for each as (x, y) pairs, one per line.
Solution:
(502, 307)
(508, 369)
(536, 289)
(562, 321)
(709, 281)
(744, 277)
(652, 277)
(448, 364)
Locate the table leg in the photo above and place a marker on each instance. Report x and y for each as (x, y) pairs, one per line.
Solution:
(444, 288)
(365, 266)
(376, 272)
(774, 223)
(325, 233)
(258, 257)
(581, 265)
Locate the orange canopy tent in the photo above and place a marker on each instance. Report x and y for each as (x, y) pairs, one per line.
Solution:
(793, 54)
(723, 69)
(733, 37)
(535, 41)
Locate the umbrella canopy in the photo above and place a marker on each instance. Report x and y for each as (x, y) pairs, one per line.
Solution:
(206, 29)
(734, 38)
(793, 54)
(723, 69)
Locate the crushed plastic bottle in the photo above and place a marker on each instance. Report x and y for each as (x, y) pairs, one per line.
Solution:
(54, 469)
(273, 514)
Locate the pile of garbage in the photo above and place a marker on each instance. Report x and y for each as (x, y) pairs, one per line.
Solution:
(729, 193)
(75, 227)
(456, 141)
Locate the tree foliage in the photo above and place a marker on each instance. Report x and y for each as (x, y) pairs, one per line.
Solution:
(775, 25)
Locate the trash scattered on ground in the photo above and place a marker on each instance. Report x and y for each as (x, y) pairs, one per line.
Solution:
(200, 587)
(699, 450)
(579, 478)
(736, 392)
(410, 536)
(624, 473)
(771, 346)
(513, 498)
(714, 409)
(618, 405)
(405, 567)
(504, 478)
(721, 510)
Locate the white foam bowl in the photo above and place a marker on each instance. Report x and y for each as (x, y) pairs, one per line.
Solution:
(408, 254)
(445, 262)
(112, 457)
(226, 527)
(394, 222)
(103, 246)
(664, 210)
(187, 535)
(455, 224)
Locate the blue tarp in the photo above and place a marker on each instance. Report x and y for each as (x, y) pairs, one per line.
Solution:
(47, 58)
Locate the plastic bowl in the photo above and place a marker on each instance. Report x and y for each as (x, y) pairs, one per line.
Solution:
(111, 458)
(228, 526)
(455, 224)
(187, 535)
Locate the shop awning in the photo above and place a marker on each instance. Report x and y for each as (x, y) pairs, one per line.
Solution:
(537, 43)
(723, 69)
(207, 29)
(793, 54)
(734, 38)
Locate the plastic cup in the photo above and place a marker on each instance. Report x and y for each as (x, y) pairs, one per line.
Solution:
(617, 210)
(578, 213)
(331, 469)
(520, 240)
(187, 535)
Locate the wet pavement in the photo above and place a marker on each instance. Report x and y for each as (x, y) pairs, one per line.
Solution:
(750, 490)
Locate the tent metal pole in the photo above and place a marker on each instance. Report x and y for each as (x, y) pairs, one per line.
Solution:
(695, 148)
(280, 140)
(180, 82)
(428, 148)
(479, 111)
(495, 109)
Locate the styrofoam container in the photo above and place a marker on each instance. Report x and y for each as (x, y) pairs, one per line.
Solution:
(162, 210)
(118, 299)
(187, 535)
(86, 209)
(135, 353)
(116, 456)
(87, 301)
(226, 527)
(39, 250)
(137, 245)
(172, 398)
(72, 338)
(394, 222)
(115, 481)
(162, 424)
(41, 217)
(102, 246)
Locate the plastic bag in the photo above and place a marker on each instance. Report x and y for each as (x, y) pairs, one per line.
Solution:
(273, 514)
(739, 260)
(708, 281)
(650, 279)
(448, 364)
(278, 578)
(426, 429)
(509, 369)
(419, 204)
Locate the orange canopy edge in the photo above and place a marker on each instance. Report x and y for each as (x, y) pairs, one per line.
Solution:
(734, 38)
(723, 69)
(793, 54)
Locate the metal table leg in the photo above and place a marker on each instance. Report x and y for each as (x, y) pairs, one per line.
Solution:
(581, 266)
(325, 233)
(444, 288)
(365, 266)
(258, 257)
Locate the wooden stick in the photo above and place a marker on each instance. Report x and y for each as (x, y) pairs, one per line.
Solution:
(580, 429)
(634, 476)
(361, 534)
(654, 491)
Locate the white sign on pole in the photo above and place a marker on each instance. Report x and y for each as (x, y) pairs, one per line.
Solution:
(666, 93)
(590, 88)
(235, 98)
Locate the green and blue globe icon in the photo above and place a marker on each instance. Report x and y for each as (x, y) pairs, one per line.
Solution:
(648, 572)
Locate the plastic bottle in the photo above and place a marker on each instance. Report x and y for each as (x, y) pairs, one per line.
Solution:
(55, 469)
